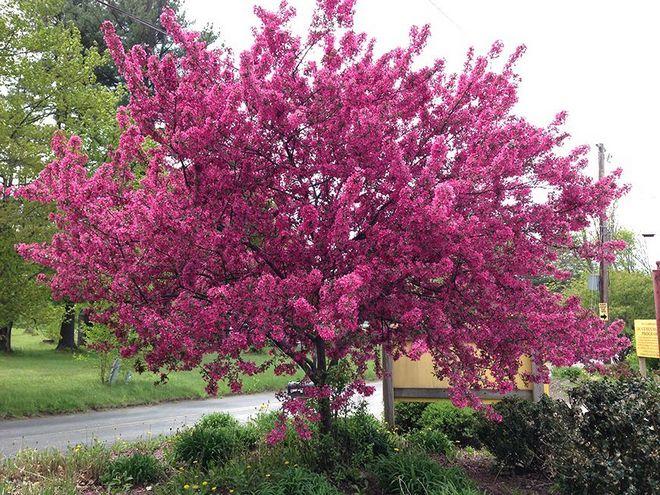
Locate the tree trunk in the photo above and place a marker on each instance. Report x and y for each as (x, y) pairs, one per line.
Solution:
(5, 337)
(68, 329)
(325, 411)
(326, 415)
(83, 325)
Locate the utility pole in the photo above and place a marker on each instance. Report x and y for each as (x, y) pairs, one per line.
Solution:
(604, 279)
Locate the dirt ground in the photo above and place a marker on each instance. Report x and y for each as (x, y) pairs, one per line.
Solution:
(480, 466)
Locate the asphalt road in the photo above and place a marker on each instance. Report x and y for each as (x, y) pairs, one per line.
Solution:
(133, 423)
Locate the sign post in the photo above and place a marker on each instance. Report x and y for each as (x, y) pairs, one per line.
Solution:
(656, 296)
(646, 342)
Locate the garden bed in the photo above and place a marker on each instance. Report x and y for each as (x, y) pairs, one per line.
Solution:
(607, 445)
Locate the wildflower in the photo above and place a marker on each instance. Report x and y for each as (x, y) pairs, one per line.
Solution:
(204, 483)
(186, 486)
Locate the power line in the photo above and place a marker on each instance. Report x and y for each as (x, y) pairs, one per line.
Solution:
(435, 5)
(128, 14)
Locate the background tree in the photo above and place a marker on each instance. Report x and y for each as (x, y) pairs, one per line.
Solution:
(48, 85)
(323, 202)
(634, 257)
(88, 15)
(130, 18)
(630, 289)
(631, 296)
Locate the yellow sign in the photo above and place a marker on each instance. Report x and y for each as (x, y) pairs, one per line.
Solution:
(603, 311)
(646, 338)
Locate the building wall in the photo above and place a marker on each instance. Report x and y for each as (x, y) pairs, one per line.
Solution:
(414, 380)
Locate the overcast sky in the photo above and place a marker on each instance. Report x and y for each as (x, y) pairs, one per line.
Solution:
(596, 59)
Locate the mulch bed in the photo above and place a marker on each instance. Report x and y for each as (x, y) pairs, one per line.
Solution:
(480, 466)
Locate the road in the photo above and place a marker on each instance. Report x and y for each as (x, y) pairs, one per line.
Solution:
(133, 423)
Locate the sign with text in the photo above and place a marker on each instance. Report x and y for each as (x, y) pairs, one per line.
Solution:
(646, 338)
(603, 311)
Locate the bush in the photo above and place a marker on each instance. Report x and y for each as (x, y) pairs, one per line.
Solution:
(615, 446)
(431, 442)
(218, 420)
(295, 481)
(570, 373)
(414, 473)
(259, 476)
(461, 425)
(360, 438)
(264, 422)
(214, 440)
(408, 416)
(529, 436)
(620, 370)
(137, 469)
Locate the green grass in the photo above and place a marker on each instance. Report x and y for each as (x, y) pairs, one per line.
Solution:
(36, 379)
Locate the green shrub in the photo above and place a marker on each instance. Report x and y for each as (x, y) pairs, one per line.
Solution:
(360, 438)
(262, 476)
(264, 422)
(615, 445)
(461, 425)
(415, 473)
(571, 373)
(295, 481)
(218, 420)
(408, 416)
(136, 469)
(431, 442)
(341, 455)
(212, 442)
(529, 436)
(620, 370)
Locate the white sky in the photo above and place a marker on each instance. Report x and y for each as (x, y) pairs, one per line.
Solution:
(596, 59)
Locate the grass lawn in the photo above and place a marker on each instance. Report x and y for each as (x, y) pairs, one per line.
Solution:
(36, 379)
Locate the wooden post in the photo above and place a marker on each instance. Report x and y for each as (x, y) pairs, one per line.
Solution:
(656, 296)
(537, 388)
(642, 366)
(388, 389)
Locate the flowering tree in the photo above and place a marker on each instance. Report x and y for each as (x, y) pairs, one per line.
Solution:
(313, 198)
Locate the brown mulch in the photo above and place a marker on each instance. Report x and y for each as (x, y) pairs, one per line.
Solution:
(480, 466)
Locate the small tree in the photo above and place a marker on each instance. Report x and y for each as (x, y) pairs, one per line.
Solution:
(317, 199)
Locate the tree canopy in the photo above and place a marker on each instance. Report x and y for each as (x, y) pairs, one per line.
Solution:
(323, 201)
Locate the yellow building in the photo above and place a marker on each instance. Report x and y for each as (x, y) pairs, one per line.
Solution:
(415, 381)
